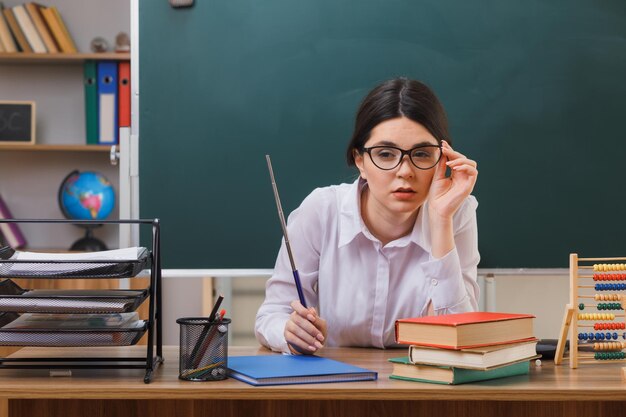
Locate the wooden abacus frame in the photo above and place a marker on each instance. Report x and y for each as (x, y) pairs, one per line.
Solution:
(571, 317)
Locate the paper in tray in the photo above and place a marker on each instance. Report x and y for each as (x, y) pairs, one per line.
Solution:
(120, 263)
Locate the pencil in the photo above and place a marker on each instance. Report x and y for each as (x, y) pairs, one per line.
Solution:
(194, 353)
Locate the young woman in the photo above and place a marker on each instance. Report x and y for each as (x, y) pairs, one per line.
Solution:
(401, 241)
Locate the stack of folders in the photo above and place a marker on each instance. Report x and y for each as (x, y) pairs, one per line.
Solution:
(107, 100)
(467, 347)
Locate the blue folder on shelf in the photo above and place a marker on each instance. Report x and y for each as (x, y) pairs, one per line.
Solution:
(288, 369)
(107, 102)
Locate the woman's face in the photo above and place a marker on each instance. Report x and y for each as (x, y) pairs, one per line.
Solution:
(404, 189)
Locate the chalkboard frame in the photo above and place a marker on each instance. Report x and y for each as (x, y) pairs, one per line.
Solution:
(31, 109)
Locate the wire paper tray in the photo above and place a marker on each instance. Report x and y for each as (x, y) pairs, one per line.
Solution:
(10, 267)
(13, 298)
(69, 337)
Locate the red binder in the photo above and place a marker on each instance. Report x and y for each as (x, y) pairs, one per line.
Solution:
(124, 94)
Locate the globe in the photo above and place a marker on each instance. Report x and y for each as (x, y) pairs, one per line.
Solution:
(86, 196)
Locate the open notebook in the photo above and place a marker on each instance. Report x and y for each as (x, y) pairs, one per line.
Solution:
(294, 369)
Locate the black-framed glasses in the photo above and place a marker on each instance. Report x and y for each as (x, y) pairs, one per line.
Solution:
(389, 157)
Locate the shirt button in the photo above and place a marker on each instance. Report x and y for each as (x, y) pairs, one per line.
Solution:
(434, 282)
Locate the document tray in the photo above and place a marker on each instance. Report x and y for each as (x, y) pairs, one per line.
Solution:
(122, 336)
(100, 268)
(13, 298)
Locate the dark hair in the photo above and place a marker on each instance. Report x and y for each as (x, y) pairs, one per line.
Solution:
(396, 98)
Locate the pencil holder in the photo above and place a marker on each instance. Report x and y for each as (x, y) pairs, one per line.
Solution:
(203, 349)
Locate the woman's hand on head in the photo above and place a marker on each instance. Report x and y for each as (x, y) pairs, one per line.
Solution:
(305, 331)
(447, 193)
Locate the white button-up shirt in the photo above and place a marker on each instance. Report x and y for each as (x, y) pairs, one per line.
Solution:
(359, 286)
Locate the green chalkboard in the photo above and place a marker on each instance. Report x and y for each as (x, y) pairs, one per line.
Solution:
(535, 92)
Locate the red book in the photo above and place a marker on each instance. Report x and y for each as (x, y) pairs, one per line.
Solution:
(465, 330)
(124, 93)
(12, 234)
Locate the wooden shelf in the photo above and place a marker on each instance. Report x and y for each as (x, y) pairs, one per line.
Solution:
(56, 148)
(32, 58)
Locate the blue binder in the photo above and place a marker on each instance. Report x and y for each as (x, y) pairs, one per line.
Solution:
(294, 369)
(107, 103)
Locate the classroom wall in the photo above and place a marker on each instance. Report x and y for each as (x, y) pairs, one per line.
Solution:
(545, 296)
(29, 181)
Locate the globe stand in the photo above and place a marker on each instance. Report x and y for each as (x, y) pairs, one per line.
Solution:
(88, 243)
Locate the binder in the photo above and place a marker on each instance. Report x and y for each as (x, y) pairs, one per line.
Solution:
(90, 78)
(124, 94)
(107, 102)
(28, 27)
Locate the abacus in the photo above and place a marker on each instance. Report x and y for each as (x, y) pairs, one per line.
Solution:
(599, 285)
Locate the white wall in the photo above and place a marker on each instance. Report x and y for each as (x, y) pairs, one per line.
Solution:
(545, 296)
(29, 180)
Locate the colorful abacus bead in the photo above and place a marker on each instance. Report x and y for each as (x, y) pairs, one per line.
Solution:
(609, 355)
(609, 306)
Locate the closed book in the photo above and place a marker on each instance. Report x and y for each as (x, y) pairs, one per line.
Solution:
(465, 330)
(28, 27)
(475, 358)
(66, 44)
(11, 231)
(66, 32)
(23, 44)
(90, 79)
(294, 369)
(5, 35)
(34, 11)
(405, 370)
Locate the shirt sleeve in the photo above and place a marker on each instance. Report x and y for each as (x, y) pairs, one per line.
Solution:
(305, 232)
(453, 278)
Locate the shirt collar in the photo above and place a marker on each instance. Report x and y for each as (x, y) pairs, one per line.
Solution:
(351, 223)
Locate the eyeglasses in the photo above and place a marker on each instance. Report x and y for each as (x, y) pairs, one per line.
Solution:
(389, 157)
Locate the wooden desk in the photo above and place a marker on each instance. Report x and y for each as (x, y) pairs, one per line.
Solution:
(547, 391)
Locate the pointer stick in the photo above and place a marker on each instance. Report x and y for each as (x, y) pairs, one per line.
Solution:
(281, 216)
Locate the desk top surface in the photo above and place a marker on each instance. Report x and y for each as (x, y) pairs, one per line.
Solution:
(600, 382)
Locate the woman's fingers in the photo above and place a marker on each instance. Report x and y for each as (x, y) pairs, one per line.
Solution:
(440, 170)
(305, 325)
(305, 329)
(461, 161)
(307, 313)
(300, 336)
(297, 345)
(468, 169)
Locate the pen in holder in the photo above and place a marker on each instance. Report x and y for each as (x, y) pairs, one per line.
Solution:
(203, 348)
